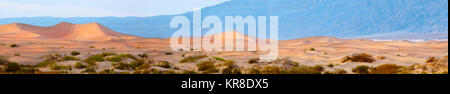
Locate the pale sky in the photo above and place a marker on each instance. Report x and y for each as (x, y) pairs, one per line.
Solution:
(98, 8)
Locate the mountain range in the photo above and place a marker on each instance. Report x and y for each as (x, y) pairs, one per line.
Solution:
(386, 19)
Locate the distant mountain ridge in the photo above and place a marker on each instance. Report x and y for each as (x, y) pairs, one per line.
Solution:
(297, 18)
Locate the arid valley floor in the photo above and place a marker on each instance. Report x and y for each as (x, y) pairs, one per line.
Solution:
(92, 48)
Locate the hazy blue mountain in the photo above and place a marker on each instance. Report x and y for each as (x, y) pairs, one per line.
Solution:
(297, 18)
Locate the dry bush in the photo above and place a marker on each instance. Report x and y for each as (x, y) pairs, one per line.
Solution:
(437, 65)
(381, 57)
(386, 69)
(194, 58)
(207, 66)
(361, 69)
(361, 57)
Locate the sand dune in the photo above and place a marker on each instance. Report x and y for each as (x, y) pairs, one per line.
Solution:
(63, 31)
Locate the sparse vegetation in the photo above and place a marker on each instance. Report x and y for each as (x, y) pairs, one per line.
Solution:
(330, 65)
(115, 59)
(17, 54)
(361, 57)
(164, 64)
(253, 60)
(60, 67)
(79, 65)
(194, 58)
(207, 66)
(381, 57)
(386, 69)
(361, 69)
(312, 49)
(13, 45)
(75, 53)
(169, 53)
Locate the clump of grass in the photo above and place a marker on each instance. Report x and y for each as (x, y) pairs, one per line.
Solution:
(143, 55)
(312, 49)
(12, 67)
(194, 58)
(53, 58)
(91, 46)
(253, 60)
(115, 59)
(381, 57)
(330, 65)
(66, 58)
(337, 71)
(431, 59)
(361, 69)
(80, 65)
(164, 64)
(13, 45)
(75, 53)
(207, 67)
(60, 67)
(3, 60)
(94, 58)
(386, 69)
(169, 53)
(220, 59)
(361, 57)
(17, 54)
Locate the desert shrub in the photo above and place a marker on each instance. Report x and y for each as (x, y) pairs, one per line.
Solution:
(17, 54)
(75, 53)
(3, 60)
(45, 63)
(104, 54)
(253, 60)
(306, 70)
(143, 55)
(122, 66)
(361, 57)
(312, 49)
(12, 67)
(164, 64)
(337, 71)
(169, 53)
(207, 67)
(193, 58)
(94, 58)
(330, 65)
(136, 64)
(115, 59)
(220, 59)
(13, 45)
(107, 71)
(361, 69)
(91, 46)
(79, 65)
(386, 69)
(431, 59)
(317, 69)
(254, 71)
(60, 67)
(231, 69)
(381, 57)
(66, 58)
(272, 70)
(130, 56)
(89, 70)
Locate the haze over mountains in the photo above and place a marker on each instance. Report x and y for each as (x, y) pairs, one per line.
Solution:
(385, 19)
